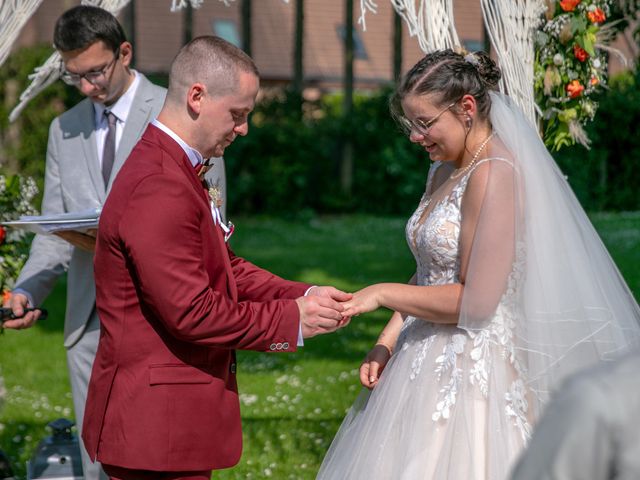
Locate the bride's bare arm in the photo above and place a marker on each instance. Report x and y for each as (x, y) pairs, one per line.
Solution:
(441, 303)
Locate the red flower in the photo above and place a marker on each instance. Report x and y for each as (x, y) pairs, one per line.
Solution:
(594, 81)
(596, 16)
(580, 53)
(574, 89)
(569, 5)
(3, 234)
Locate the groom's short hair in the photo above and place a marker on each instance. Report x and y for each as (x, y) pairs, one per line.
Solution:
(209, 60)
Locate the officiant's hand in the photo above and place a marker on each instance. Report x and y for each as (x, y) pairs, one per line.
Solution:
(319, 314)
(373, 365)
(18, 302)
(85, 241)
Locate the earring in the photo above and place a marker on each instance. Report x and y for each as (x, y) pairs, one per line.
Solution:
(469, 122)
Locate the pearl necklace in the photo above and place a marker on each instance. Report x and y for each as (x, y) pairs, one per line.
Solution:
(459, 172)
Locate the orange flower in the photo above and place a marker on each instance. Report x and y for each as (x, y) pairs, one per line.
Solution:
(569, 5)
(574, 89)
(596, 16)
(594, 81)
(580, 53)
(6, 296)
(3, 234)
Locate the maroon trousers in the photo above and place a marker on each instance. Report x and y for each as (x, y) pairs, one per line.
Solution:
(119, 473)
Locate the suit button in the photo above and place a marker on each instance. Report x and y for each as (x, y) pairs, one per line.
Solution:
(272, 346)
(232, 368)
(279, 346)
(285, 345)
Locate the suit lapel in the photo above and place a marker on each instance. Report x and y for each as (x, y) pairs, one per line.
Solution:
(139, 117)
(88, 123)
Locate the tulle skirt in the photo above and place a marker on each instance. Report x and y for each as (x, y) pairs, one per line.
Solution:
(449, 405)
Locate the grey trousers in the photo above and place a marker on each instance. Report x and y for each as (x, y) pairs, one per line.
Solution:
(80, 358)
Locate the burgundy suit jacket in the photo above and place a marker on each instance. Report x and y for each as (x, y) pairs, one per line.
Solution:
(174, 302)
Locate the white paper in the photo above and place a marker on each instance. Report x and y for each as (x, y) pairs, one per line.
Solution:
(48, 224)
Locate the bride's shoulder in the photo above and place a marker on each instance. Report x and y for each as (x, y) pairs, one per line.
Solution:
(438, 174)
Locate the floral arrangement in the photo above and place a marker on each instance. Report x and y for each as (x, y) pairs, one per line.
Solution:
(16, 197)
(570, 68)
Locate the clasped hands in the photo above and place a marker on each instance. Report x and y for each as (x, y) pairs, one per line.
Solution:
(326, 309)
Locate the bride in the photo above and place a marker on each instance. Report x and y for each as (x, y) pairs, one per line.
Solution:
(513, 291)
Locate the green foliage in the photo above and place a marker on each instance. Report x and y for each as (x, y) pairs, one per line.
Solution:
(289, 164)
(16, 197)
(606, 177)
(291, 404)
(23, 144)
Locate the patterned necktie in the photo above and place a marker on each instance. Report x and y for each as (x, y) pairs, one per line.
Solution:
(109, 150)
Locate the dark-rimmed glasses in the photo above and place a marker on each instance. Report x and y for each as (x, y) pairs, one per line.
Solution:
(420, 126)
(94, 77)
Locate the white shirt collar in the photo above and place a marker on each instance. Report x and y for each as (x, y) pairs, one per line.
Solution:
(122, 107)
(194, 155)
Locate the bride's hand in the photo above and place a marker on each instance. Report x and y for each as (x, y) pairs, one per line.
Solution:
(373, 365)
(365, 300)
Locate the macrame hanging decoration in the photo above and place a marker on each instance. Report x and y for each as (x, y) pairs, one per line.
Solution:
(431, 21)
(511, 26)
(13, 15)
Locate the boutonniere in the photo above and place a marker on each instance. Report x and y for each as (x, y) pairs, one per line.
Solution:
(215, 195)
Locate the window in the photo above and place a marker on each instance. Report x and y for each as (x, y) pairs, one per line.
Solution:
(473, 45)
(227, 30)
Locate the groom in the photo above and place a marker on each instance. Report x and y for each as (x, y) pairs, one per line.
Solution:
(174, 301)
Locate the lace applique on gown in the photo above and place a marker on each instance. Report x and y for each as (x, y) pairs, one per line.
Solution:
(451, 404)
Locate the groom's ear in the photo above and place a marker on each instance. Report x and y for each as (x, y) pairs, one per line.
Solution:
(195, 96)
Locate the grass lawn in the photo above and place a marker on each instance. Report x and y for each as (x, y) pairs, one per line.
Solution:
(292, 404)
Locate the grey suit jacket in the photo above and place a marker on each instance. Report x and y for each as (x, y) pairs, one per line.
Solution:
(591, 428)
(73, 182)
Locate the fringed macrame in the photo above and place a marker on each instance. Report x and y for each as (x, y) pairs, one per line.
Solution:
(511, 25)
(13, 15)
(431, 21)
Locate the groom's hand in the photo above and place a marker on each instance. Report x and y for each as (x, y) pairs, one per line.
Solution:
(335, 294)
(319, 314)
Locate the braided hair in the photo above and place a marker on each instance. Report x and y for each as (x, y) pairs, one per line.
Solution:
(450, 75)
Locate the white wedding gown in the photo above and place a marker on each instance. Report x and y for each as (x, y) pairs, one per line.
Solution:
(451, 403)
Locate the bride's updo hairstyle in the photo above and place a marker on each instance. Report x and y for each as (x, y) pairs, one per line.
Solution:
(450, 76)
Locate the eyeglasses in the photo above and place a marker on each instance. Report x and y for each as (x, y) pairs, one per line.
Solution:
(422, 127)
(94, 77)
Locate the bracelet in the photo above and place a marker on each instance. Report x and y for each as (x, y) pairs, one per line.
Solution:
(385, 346)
